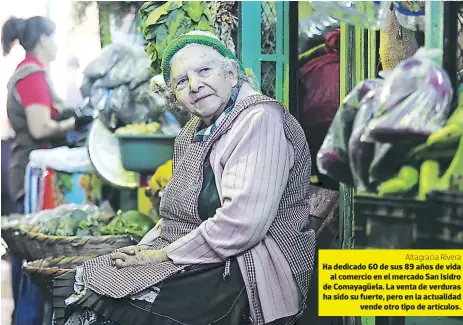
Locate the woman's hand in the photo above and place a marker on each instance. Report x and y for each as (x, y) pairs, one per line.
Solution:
(137, 255)
(123, 255)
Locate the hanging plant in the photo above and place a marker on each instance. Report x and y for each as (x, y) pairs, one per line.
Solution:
(164, 21)
(225, 21)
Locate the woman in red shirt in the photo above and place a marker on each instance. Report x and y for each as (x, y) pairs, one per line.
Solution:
(33, 110)
(32, 105)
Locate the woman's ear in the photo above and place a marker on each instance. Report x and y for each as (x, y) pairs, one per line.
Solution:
(233, 73)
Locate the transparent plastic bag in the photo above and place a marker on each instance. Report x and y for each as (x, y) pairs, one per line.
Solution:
(363, 14)
(61, 221)
(333, 156)
(411, 14)
(153, 103)
(316, 24)
(116, 100)
(387, 161)
(361, 152)
(108, 58)
(414, 101)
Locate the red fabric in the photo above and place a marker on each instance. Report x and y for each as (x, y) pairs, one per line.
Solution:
(321, 78)
(49, 197)
(34, 89)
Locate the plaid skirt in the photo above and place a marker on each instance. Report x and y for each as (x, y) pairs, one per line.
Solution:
(199, 295)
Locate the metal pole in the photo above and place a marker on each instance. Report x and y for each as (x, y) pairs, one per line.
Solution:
(293, 83)
(450, 41)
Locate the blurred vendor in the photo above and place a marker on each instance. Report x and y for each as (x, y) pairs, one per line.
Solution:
(33, 110)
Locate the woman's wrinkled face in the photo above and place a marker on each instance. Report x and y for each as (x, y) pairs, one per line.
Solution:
(202, 81)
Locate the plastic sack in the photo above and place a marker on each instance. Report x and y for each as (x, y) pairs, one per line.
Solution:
(361, 152)
(130, 69)
(411, 14)
(116, 100)
(108, 58)
(154, 103)
(315, 24)
(387, 161)
(65, 210)
(333, 156)
(363, 14)
(86, 86)
(414, 101)
(142, 71)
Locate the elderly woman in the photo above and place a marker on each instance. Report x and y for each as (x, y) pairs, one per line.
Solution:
(234, 245)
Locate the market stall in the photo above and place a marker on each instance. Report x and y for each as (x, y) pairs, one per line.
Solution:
(398, 155)
(130, 143)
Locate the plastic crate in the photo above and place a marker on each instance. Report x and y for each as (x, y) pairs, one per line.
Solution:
(434, 223)
(446, 228)
(398, 217)
(145, 153)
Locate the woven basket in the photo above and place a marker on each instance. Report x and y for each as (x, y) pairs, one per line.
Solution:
(43, 271)
(35, 246)
(14, 241)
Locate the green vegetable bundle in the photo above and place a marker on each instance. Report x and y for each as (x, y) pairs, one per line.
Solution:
(164, 21)
(132, 223)
(79, 223)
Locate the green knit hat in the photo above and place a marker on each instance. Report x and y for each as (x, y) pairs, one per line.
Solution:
(186, 39)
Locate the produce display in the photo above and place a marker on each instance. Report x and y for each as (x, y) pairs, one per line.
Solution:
(397, 136)
(134, 129)
(71, 220)
(413, 103)
(333, 156)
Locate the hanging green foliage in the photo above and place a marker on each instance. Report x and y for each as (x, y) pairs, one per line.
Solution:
(225, 21)
(164, 21)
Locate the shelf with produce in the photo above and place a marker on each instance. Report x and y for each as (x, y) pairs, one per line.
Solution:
(399, 142)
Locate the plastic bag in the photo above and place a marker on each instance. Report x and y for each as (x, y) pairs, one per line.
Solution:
(363, 14)
(116, 100)
(130, 69)
(410, 14)
(86, 86)
(316, 24)
(143, 73)
(333, 156)
(154, 103)
(387, 161)
(414, 101)
(46, 216)
(361, 152)
(108, 58)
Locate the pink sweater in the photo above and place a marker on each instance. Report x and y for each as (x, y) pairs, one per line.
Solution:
(251, 163)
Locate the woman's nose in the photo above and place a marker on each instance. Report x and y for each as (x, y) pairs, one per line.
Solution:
(195, 84)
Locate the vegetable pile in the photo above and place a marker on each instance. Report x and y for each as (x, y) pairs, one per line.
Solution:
(81, 223)
(134, 129)
(395, 136)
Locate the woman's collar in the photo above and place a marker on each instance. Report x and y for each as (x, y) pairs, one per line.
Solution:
(245, 91)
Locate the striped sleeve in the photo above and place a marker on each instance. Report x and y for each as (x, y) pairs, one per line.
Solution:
(253, 180)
